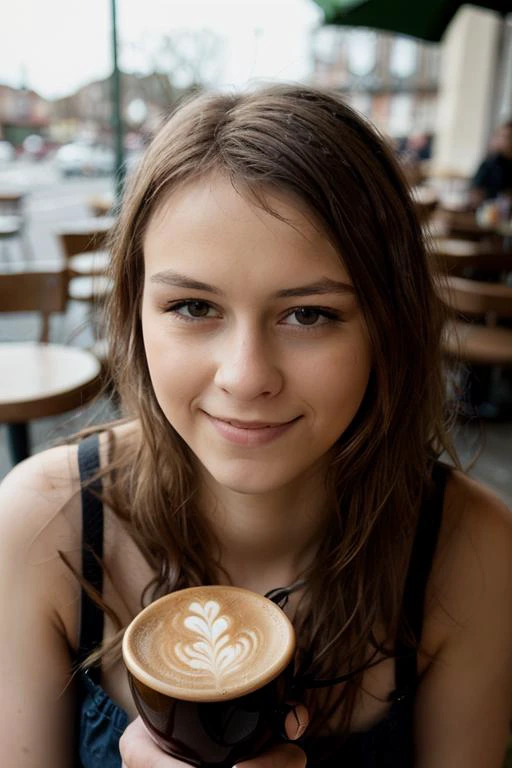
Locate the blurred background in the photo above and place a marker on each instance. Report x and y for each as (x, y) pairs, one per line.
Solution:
(84, 87)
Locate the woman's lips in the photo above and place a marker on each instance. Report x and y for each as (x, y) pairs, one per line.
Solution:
(249, 433)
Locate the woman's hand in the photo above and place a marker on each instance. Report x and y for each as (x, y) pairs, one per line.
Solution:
(138, 750)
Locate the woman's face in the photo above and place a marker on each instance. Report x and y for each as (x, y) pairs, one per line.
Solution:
(257, 348)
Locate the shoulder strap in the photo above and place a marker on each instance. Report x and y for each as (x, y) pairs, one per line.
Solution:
(91, 615)
(420, 566)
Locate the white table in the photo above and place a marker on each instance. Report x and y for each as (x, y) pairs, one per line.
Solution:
(39, 380)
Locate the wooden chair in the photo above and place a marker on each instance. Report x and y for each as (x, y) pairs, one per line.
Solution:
(40, 379)
(474, 338)
(83, 247)
(44, 292)
(483, 343)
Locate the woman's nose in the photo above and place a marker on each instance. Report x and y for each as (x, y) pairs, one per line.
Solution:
(246, 367)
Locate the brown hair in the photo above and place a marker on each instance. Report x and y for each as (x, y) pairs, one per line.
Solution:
(310, 145)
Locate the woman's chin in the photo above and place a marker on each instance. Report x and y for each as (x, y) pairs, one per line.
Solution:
(250, 480)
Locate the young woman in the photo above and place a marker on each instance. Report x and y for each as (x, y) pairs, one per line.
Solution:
(276, 345)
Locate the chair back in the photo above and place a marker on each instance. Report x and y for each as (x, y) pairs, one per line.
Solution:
(454, 255)
(74, 243)
(44, 292)
(477, 298)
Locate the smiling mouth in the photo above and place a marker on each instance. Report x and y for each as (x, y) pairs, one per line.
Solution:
(254, 424)
(250, 434)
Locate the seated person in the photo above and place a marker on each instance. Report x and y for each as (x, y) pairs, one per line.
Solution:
(494, 175)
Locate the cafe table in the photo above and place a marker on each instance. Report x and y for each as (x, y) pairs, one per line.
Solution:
(39, 380)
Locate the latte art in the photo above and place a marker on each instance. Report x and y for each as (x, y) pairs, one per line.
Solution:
(209, 643)
(216, 654)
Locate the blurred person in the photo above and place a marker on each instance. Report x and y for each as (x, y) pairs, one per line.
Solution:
(493, 178)
(412, 152)
(276, 340)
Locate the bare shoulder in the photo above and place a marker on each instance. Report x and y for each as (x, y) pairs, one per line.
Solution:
(474, 517)
(45, 488)
(34, 492)
(472, 571)
(463, 704)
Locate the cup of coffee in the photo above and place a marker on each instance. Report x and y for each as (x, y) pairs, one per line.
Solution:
(210, 670)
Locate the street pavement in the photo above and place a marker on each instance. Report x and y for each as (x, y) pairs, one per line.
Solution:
(51, 201)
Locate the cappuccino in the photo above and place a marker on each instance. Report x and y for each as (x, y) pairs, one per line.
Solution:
(209, 643)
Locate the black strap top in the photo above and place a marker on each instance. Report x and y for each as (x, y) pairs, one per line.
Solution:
(390, 742)
(91, 615)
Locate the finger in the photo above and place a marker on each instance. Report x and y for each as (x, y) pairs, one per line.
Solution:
(138, 750)
(280, 756)
(296, 721)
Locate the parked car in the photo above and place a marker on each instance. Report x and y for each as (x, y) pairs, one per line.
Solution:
(7, 152)
(81, 159)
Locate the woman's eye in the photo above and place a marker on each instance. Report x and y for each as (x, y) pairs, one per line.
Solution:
(193, 309)
(309, 316)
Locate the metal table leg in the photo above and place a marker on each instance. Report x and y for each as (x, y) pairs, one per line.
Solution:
(18, 438)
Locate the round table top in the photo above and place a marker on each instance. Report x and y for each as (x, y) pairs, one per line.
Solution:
(42, 379)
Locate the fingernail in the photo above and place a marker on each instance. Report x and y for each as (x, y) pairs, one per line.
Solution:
(301, 719)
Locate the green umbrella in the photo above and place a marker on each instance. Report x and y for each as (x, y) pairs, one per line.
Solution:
(426, 19)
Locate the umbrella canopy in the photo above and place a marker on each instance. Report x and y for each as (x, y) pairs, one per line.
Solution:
(426, 19)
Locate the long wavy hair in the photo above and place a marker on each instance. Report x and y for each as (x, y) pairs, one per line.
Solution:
(311, 146)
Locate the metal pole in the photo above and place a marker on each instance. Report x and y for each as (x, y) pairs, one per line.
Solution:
(117, 121)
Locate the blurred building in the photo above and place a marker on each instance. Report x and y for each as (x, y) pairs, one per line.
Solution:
(454, 92)
(22, 113)
(391, 79)
(87, 113)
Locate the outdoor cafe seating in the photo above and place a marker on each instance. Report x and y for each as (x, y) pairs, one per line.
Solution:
(40, 379)
(478, 337)
(485, 343)
(83, 245)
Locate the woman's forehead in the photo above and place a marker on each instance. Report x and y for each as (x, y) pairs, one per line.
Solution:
(209, 221)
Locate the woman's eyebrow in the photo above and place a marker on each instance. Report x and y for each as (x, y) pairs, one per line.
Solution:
(177, 280)
(323, 286)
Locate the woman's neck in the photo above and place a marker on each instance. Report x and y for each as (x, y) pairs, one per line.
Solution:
(267, 540)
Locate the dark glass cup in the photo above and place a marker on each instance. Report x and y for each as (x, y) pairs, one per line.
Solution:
(215, 731)
(216, 734)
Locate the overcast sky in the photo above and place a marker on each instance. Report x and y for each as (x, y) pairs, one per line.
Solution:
(58, 45)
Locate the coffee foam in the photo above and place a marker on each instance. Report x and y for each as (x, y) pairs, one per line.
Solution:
(209, 643)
